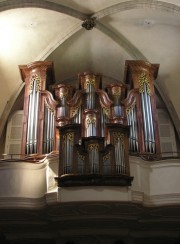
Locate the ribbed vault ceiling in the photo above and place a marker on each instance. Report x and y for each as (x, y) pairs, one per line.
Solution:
(52, 30)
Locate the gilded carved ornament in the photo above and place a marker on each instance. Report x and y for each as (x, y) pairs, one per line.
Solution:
(37, 79)
(74, 110)
(116, 91)
(129, 108)
(107, 111)
(90, 80)
(68, 137)
(118, 136)
(143, 79)
(63, 94)
(90, 119)
(82, 157)
(92, 147)
(106, 157)
(50, 108)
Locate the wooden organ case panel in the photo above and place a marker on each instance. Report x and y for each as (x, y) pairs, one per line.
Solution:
(39, 108)
(141, 108)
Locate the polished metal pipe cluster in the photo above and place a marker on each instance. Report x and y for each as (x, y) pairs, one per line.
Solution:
(48, 130)
(148, 121)
(90, 97)
(31, 142)
(91, 130)
(120, 157)
(93, 158)
(102, 123)
(77, 117)
(67, 152)
(80, 165)
(132, 122)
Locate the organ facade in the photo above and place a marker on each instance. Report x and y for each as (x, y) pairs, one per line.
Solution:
(93, 129)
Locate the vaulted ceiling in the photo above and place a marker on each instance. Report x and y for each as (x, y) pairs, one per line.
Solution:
(124, 30)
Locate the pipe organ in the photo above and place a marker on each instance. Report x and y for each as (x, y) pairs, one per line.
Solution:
(97, 128)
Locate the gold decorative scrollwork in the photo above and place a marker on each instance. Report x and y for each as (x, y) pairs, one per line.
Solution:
(106, 111)
(106, 157)
(50, 109)
(90, 80)
(118, 136)
(116, 91)
(92, 147)
(68, 137)
(90, 119)
(82, 157)
(74, 110)
(63, 94)
(143, 79)
(37, 79)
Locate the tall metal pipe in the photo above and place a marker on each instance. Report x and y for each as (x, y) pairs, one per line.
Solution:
(152, 125)
(145, 122)
(67, 153)
(50, 131)
(135, 128)
(28, 123)
(53, 131)
(45, 130)
(36, 121)
(32, 119)
(148, 118)
(48, 128)
(130, 131)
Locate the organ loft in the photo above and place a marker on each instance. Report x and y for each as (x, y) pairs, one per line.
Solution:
(93, 129)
